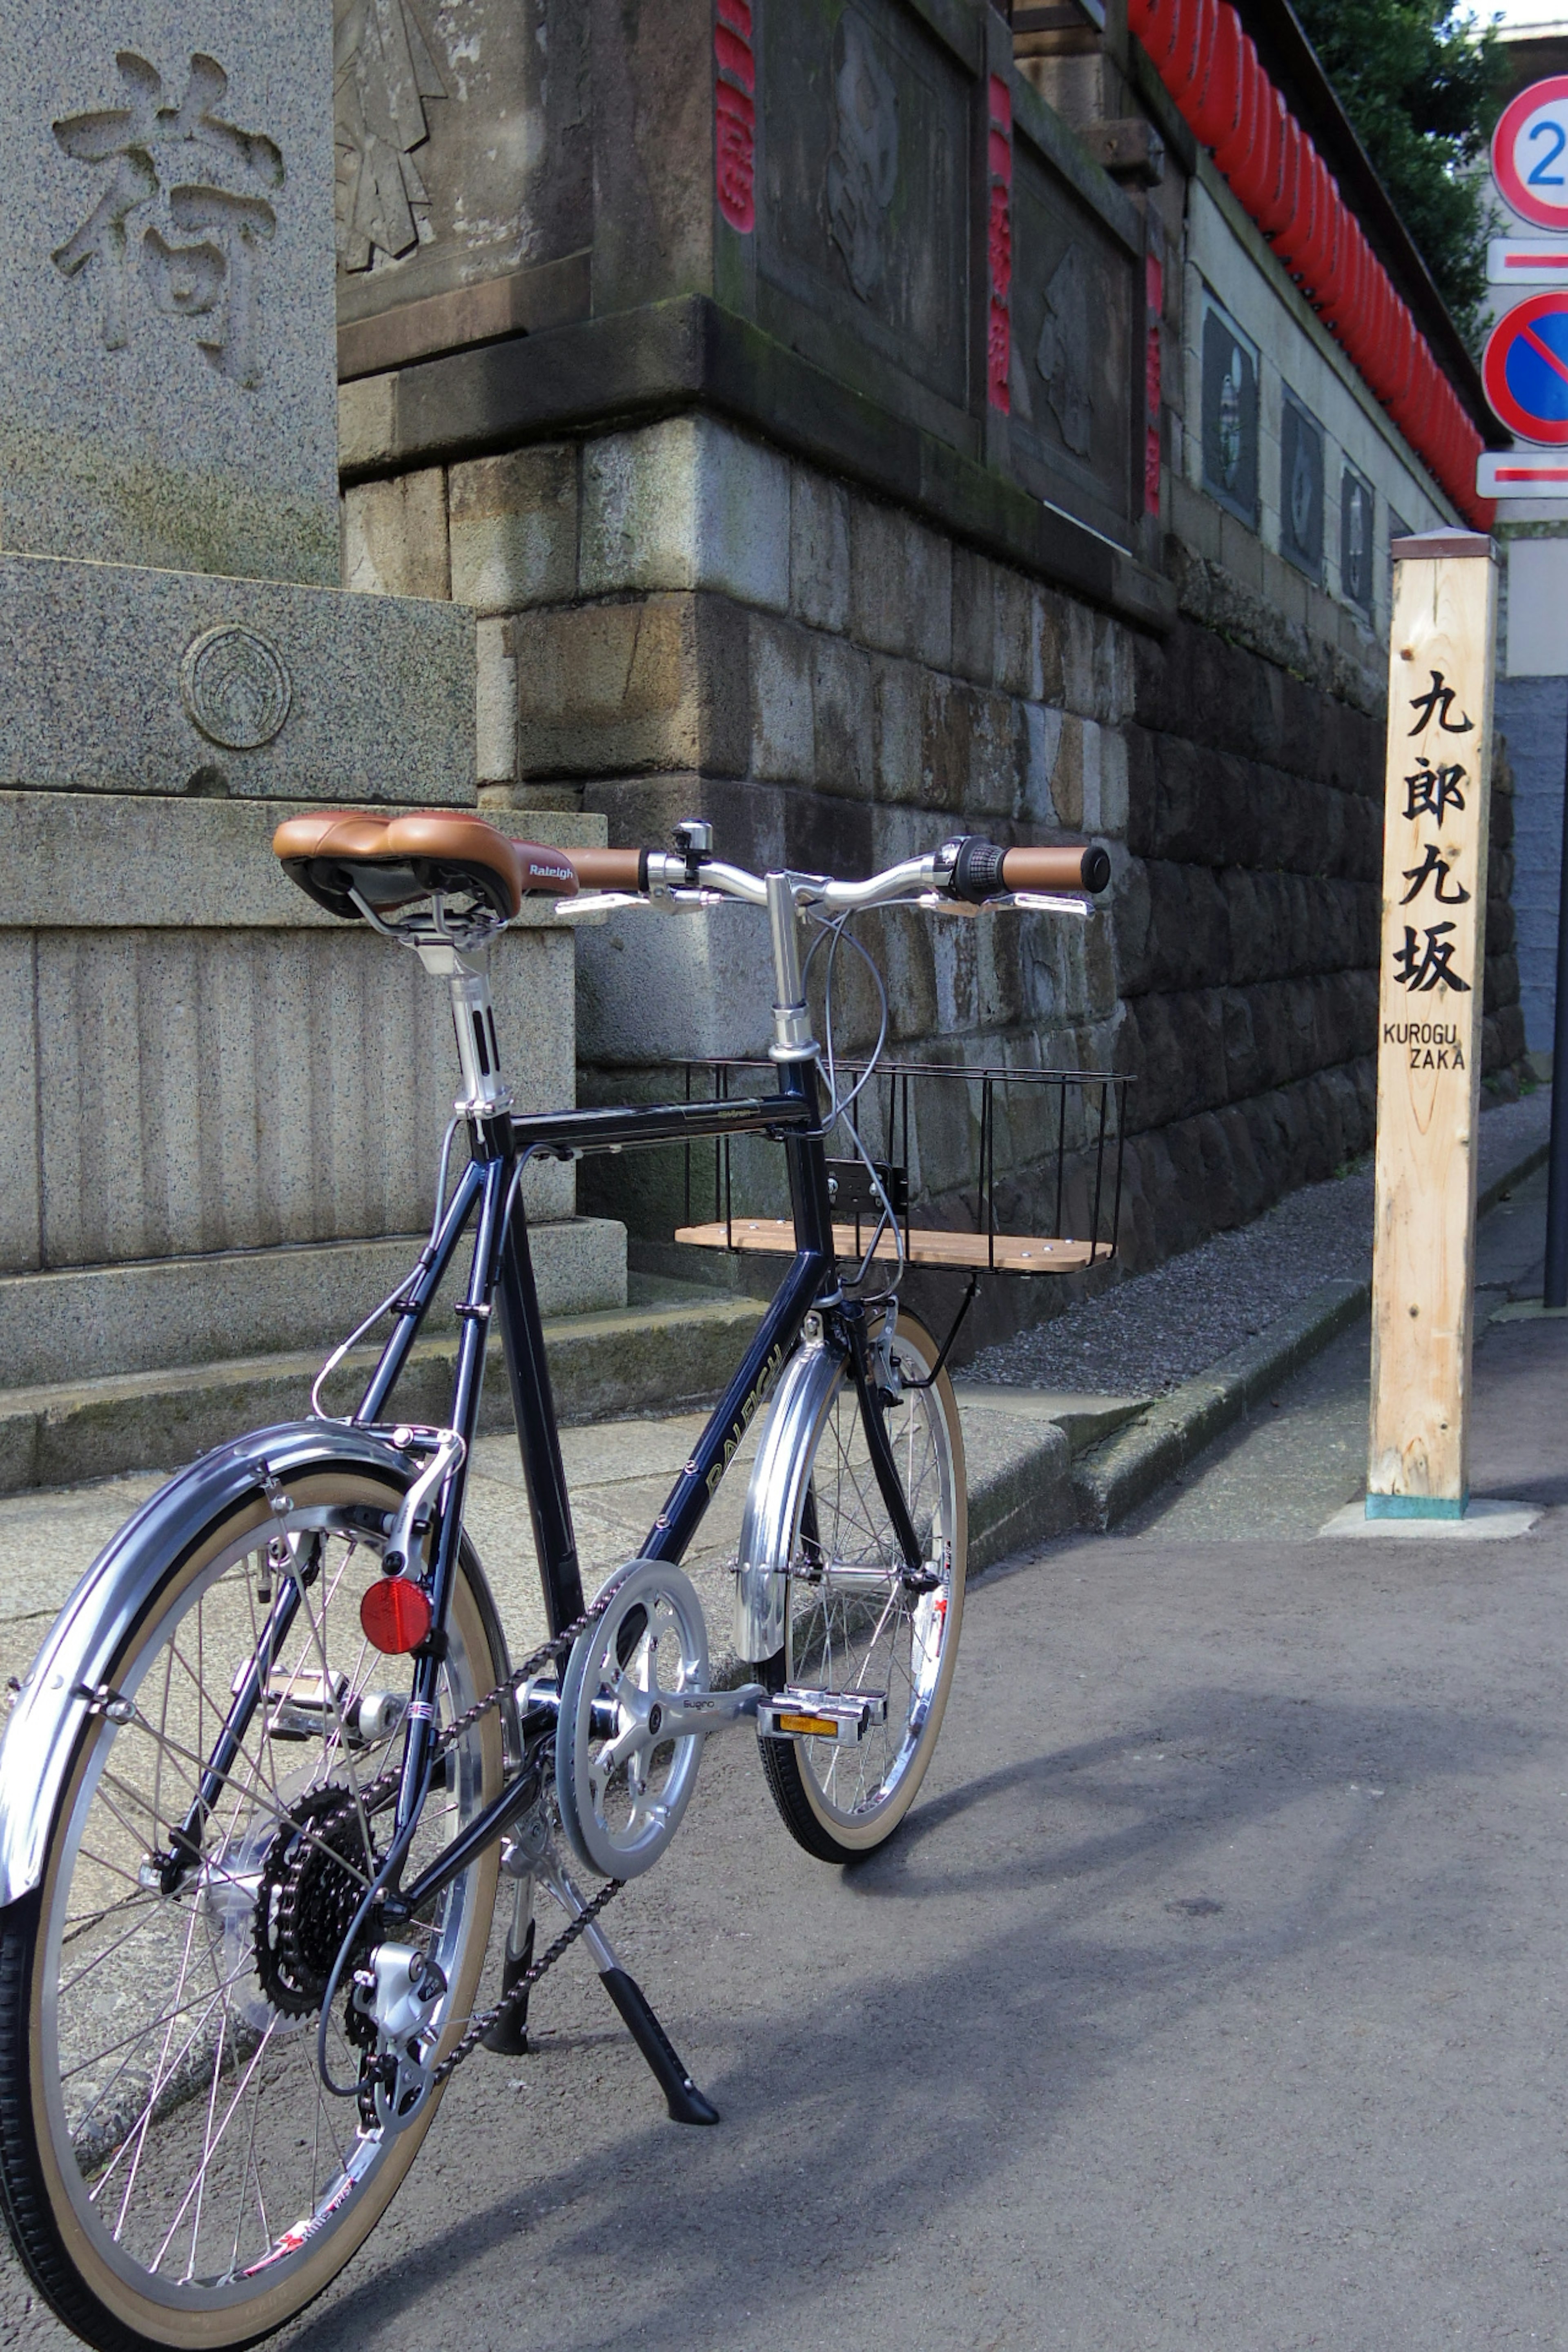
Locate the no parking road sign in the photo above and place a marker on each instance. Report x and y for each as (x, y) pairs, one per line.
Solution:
(1525, 368)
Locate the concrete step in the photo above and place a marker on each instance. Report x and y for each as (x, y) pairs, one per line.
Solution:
(674, 1346)
(162, 1314)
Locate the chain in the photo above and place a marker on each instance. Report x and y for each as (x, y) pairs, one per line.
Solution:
(376, 1793)
(380, 1791)
(491, 2017)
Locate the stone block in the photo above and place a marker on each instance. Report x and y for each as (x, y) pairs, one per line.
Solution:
(495, 703)
(102, 861)
(156, 409)
(1111, 817)
(1042, 749)
(1067, 774)
(124, 679)
(686, 503)
(901, 776)
(658, 989)
(902, 585)
(819, 549)
(394, 536)
(947, 728)
(367, 421)
(608, 687)
(996, 750)
(21, 1240)
(846, 725)
(974, 615)
(784, 739)
(514, 530)
(204, 1089)
(1018, 668)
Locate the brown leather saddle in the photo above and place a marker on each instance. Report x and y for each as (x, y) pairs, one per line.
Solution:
(391, 861)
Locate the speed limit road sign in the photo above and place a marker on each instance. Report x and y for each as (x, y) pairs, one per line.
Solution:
(1530, 154)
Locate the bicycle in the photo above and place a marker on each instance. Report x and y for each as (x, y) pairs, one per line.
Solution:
(259, 1788)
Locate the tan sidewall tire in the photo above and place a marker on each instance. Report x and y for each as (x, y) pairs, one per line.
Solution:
(241, 2323)
(882, 1825)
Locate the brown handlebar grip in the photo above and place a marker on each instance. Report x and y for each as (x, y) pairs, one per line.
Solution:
(608, 869)
(1055, 869)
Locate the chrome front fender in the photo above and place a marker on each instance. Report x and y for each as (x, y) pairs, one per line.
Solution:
(779, 1476)
(52, 1711)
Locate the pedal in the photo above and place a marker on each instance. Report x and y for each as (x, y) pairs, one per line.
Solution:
(844, 1717)
(307, 1705)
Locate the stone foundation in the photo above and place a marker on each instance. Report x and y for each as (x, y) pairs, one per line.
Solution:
(684, 621)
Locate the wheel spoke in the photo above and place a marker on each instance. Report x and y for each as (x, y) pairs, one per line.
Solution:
(182, 2061)
(868, 1637)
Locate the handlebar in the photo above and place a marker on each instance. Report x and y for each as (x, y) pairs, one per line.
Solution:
(968, 870)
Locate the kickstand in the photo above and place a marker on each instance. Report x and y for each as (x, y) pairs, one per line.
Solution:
(684, 2100)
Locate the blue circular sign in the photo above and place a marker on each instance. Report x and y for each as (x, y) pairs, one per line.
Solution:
(1525, 368)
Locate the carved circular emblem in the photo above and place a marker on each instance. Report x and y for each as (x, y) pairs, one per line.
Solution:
(235, 686)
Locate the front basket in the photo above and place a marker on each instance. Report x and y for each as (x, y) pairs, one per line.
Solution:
(988, 1170)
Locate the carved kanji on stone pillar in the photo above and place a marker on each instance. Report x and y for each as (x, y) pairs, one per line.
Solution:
(735, 114)
(999, 247)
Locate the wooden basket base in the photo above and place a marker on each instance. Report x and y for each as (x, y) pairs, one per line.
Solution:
(1004, 1253)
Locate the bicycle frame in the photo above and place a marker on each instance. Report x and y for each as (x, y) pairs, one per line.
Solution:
(501, 1274)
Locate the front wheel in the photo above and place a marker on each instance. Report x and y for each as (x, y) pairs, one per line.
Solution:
(173, 2172)
(856, 1622)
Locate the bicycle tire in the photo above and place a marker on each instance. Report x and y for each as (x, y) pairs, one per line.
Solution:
(853, 1533)
(101, 2281)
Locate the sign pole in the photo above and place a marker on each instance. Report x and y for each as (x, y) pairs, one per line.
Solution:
(1554, 1289)
(1437, 798)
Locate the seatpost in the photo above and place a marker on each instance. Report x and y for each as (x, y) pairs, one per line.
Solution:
(467, 972)
(793, 1040)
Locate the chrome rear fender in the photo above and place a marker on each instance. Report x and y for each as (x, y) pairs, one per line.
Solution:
(51, 1712)
(779, 1477)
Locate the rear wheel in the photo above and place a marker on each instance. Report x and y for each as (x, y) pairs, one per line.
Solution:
(856, 1622)
(173, 2170)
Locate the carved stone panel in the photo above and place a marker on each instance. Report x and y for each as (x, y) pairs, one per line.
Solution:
(1302, 488)
(863, 219)
(166, 283)
(464, 140)
(1071, 373)
(1357, 509)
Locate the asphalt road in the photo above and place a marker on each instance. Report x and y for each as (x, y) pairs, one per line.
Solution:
(1212, 1996)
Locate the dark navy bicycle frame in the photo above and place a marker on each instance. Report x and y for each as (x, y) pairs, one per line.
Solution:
(502, 1270)
(487, 1195)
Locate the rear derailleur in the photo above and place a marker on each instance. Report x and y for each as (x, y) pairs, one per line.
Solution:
(390, 2012)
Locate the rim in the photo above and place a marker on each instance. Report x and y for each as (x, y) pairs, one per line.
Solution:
(851, 1624)
(197, 2150)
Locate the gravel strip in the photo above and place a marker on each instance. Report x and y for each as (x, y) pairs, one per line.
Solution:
(1163, 1326)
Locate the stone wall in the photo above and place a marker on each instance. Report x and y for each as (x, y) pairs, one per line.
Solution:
(752, 536)
(681, 620)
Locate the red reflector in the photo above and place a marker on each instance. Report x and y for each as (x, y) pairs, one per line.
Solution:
(396, 1614)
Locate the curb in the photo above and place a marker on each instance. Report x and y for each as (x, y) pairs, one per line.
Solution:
(1112, 1480)
(1022, 1501)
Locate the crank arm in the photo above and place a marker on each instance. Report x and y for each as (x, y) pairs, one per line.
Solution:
(685, 1714)
(548, 1871)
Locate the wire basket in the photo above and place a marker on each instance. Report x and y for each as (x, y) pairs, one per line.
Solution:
(932, 1131)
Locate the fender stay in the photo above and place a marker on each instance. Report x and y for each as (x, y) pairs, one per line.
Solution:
(134, 1568)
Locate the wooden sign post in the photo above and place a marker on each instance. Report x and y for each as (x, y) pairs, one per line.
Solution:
(1437, 804)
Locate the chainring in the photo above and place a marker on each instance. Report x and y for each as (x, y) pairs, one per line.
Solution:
(313, 1881)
